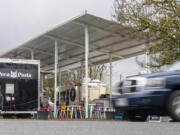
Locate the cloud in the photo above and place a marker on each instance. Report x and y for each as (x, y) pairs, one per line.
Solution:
(22, 20)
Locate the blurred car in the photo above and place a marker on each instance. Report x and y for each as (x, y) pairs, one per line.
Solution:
(150, 94)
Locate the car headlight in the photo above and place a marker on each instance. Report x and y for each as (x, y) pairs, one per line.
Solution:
(155, 82)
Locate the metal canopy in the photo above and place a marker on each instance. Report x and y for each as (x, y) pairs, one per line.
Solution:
(86, 38)
(106, 39)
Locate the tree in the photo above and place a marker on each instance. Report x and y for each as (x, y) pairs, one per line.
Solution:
(159, 20)
(95, 72)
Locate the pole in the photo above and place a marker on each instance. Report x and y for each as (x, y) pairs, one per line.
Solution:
(42, 81)
(147, 56)
(82, 77)
(146, 62)
(86, 67)
(110, 62)
(55, 75)
(60, 81)
(32, 54)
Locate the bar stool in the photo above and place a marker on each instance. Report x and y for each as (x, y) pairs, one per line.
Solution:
(62, 111)
(73, 111)
(91, 108)
(69, 112)
(99, 110)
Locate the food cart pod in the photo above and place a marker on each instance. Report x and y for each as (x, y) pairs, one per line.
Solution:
(81, 41)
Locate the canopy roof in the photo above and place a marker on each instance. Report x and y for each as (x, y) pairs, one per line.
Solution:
(105, 39)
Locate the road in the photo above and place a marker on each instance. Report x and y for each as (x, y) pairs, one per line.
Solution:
(34, 127)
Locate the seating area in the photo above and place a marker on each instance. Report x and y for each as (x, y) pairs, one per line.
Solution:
(95, 111)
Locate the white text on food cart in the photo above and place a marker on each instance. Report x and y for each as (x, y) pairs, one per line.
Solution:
(15, 74)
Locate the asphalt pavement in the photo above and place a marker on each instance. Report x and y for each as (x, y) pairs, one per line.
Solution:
(36, 127)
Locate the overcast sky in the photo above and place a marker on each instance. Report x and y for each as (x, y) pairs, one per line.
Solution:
(21, 20)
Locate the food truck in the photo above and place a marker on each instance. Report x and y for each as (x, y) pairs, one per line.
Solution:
(74, 95)
(19, 87)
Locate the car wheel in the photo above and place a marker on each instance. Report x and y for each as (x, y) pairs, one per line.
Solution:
(174, 105)
(132, 116)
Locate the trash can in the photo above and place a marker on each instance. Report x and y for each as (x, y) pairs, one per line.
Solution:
(43, 115)
(109, 115)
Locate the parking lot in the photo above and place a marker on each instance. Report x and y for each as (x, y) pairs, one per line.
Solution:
(36, 127)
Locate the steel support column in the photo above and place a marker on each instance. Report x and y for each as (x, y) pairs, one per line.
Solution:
(32, 54)
(55, 75)
(86, 67)
(110, 81)
(81, 81)
(60, 84)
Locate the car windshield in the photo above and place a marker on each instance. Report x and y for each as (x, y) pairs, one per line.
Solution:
(174, 67)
